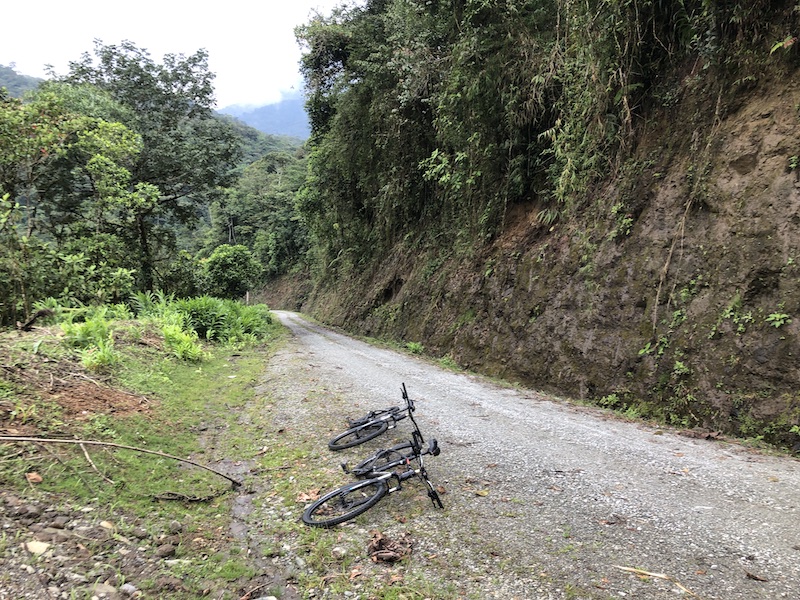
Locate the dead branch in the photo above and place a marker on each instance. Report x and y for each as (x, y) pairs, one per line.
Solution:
(15, 439)
(67, 467)
(91, 462)
(657, 576)
(28, 325)
(186, 497)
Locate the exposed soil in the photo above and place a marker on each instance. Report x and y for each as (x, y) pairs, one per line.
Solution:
(676, 293)
(65, 383)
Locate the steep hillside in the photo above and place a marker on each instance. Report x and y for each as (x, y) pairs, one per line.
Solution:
(675, 296)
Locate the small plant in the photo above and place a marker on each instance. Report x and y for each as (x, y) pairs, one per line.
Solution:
(449, 363)
(183, 345)
(24, 413)
(415, 347)
(624, 222)
(680, 369)
(609, 401)
(101, 355)
(778, 319)
(793, 162)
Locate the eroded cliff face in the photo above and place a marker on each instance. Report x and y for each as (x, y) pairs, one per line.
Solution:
(676, 295)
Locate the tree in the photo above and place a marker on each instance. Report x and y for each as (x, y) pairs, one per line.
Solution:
(260, 212)
(230, 271)
(188, 154)
(62, 177)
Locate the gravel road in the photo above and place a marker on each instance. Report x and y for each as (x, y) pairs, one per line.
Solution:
(546, 499)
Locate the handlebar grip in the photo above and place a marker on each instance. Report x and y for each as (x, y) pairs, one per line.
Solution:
(433, 447)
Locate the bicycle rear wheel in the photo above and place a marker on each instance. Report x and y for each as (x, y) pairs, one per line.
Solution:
(346, 503)
(358, 435)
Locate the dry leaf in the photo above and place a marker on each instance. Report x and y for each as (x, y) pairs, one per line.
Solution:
(481, 492)
(308, 496)
(33, 477)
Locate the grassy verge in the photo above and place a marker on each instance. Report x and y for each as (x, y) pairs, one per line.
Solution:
(215, 412)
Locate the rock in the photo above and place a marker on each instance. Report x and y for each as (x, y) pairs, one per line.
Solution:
(169, 583)
(165, 550)
(126, 589)
(104, 588)
(37, 548)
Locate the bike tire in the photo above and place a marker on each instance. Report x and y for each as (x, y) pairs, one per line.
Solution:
(384, 460)
(345, 503)
(358, 435)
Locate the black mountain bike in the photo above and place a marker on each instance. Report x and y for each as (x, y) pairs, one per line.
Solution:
(381, 474)
(372, 425)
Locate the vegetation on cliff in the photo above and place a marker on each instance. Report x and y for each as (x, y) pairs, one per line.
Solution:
(598, 198)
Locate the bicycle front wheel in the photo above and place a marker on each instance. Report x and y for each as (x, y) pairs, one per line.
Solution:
(346, 503)
(358, 435)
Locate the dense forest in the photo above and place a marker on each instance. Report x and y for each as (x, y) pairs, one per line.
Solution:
(554, 192)
(118, 177)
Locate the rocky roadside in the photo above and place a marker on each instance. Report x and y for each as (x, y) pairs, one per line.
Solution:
(53, 550)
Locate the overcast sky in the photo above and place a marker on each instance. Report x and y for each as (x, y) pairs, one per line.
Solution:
(251, 45)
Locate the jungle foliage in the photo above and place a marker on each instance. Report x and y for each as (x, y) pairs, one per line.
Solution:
(431, 118)
(118, 178)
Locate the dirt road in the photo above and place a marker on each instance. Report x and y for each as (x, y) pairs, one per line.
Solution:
(549, 500)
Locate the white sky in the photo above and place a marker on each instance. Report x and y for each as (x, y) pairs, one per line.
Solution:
(251, 45)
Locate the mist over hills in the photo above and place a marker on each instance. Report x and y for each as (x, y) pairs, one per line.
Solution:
(287, 117)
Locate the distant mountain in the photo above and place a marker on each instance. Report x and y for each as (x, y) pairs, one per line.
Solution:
(287, 117)
(15, 83)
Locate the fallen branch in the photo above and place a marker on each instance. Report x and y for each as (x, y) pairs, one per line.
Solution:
(28, 325)
(35, 440)
(657, 576)
(94, 466)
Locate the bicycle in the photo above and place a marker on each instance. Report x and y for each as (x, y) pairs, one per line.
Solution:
(385, 467)
(372, 425)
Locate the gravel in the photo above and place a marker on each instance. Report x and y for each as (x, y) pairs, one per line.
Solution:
(56, 550)
(546, 499)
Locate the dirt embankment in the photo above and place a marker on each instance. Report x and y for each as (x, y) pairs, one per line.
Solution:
(676, 296)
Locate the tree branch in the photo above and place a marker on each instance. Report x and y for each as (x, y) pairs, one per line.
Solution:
(16, 439)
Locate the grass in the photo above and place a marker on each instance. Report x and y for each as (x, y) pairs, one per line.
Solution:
(213, 410)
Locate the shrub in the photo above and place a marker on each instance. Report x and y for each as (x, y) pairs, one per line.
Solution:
(230, 271)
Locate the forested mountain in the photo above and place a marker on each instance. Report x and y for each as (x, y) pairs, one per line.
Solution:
(119, 177)
(287, 117)
(596, 198)
(15, 83)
